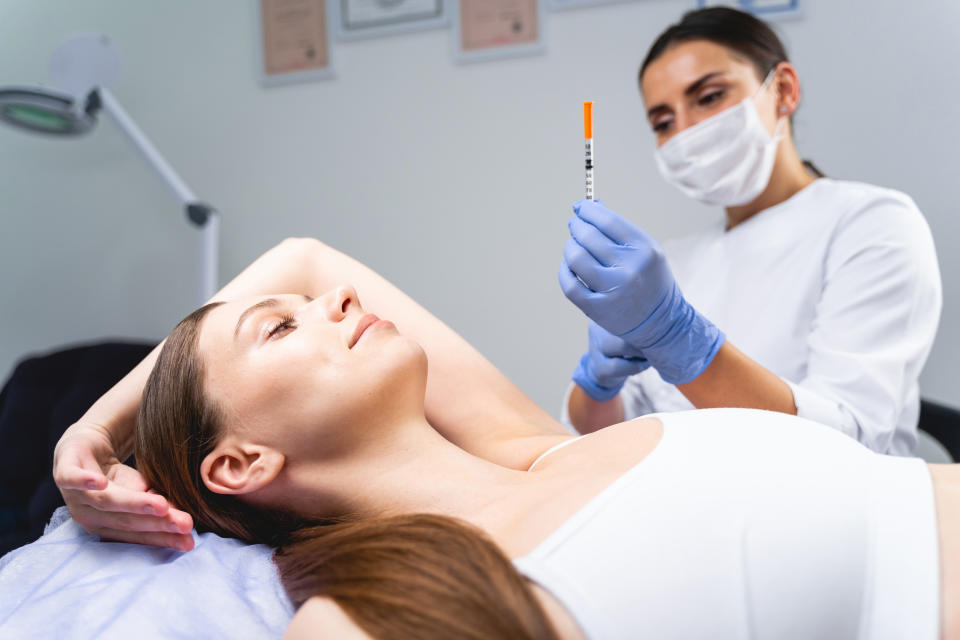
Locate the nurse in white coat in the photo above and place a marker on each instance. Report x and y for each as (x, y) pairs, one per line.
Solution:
(815, 297)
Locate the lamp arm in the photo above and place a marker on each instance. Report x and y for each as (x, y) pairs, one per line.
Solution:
(200, 214)
(145, 147)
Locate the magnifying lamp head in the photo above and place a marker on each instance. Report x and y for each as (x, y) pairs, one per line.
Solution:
(46, 111)
(79, 66)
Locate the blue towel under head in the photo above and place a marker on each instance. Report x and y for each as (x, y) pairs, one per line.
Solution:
(68, 584)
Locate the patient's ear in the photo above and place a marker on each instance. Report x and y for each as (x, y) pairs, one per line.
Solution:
(236, 468)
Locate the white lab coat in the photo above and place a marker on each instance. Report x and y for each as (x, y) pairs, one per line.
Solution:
(837, 291)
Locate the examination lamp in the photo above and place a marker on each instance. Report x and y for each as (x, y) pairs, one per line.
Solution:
(82, 68)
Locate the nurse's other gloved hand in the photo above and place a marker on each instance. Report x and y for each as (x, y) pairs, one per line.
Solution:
(607, 364)
(619, 277)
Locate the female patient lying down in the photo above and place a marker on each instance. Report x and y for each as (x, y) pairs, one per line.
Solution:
(287, 403)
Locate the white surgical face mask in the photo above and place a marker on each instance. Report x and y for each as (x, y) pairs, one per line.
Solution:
(725, 160)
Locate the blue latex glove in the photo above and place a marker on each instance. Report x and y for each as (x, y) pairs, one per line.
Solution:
(607, 364)
(619, 277)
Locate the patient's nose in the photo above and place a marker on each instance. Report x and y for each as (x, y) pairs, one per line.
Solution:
(339, 301)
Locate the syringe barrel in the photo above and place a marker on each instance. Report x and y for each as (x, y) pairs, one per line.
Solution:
(588, 149)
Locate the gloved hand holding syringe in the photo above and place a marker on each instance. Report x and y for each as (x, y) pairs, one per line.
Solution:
(619, 277)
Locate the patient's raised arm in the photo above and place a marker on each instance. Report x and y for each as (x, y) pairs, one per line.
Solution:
(468, 400)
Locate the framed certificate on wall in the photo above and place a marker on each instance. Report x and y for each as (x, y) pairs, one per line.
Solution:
(295, 45)
(353, 19)
(489, 29)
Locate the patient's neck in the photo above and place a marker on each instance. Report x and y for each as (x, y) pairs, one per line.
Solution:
(413, 469)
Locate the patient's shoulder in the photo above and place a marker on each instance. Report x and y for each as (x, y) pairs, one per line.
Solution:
(320, 618)
(620, 445)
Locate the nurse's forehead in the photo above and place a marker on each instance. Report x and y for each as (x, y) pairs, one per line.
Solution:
(684, 63)
(696, 52)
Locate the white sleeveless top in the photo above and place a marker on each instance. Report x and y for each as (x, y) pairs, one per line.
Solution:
(751, 524)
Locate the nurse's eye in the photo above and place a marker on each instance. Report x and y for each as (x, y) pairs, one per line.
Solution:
(711, 98)
(285, 324)
(661, 126)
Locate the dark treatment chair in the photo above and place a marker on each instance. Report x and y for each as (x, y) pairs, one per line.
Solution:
(42, 397)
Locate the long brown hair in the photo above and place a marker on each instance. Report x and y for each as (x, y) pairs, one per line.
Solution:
(418, 576)
(422, 576)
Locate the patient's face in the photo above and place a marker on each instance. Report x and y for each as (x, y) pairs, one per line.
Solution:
(304, 375)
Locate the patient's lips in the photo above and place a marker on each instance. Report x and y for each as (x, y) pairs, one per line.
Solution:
(368, 321)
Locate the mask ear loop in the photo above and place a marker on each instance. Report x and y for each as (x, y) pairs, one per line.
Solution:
(777, 135)
(766, 82)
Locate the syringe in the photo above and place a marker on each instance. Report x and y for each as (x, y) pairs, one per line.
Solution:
(588, 145)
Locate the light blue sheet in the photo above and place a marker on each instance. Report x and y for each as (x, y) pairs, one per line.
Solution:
(68, 584)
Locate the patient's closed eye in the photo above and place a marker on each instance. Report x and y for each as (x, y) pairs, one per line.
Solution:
(286, 324)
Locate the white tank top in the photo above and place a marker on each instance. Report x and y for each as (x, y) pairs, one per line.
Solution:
(751, 524)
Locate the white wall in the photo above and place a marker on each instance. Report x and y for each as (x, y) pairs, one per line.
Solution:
(454, 181)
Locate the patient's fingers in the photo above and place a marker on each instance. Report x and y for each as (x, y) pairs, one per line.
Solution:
(75, 478)
(78, 470)
(119, 498)
(127, 477)
(169, 540)
(111, 499)
(94, 520)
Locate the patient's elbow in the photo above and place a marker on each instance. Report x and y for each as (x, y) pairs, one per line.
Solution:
(301, 244)
(302, 250)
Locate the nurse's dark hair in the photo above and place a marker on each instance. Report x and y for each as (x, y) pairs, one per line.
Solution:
(746, 34)
(409, 576)
(740, 31)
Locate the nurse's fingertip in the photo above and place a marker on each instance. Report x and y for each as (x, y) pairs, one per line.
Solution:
(576, 222)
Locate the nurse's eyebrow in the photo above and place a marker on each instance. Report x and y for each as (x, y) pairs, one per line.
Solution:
(693, 88)
(263, 304)
(690, 90)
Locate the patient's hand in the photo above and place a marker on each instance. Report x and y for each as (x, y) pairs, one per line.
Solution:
(111, 499)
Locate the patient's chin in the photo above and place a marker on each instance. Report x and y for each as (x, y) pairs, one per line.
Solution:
(412, 368)
(403, 361)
